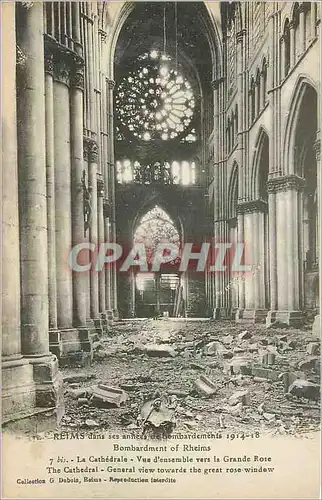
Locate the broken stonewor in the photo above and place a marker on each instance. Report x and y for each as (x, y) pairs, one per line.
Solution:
(305, 389)
(156, 350)
(240, 397)
(205, 386)
(156, 413)
(245, 335)
(105, 395)
(259, 371)
(239, 365)
(313, 348)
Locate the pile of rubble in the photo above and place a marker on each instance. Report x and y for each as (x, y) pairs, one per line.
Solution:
(206, 376)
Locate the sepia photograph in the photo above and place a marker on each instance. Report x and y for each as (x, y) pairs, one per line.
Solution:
(161, 181)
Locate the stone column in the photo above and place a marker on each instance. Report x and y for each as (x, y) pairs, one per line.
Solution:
(241, 278)
(101, 239)
(133, 289)
(33, 210)
(92, 181)
(111, 166)
(254, 281)
(50, 175)
(17, 375)
(63, 191)
(292, 44)
(286, 189)
(313, 20)
(80, 279)
(272, 250)
(302, 47)
(107, 226)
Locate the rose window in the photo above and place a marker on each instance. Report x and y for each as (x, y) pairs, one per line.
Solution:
(155, 101)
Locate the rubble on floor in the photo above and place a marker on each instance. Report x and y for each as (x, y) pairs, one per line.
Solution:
(197, 376)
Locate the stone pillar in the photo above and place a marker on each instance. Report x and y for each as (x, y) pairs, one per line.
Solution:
(33, 211)
(80, 279)
(301, 49)
(254, 282)
(18, 389)
(50, 175)
(133, 289)
(92, 182)
(313, 20)
(241, 278)
(101, 239)
(63, 200)
(292, 44)
(111, 167)
(107, 227)
(286, 189)
(272, 250)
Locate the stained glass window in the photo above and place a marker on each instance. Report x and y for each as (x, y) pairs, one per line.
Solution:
(155, 101)
(158, 173)
(156, 227)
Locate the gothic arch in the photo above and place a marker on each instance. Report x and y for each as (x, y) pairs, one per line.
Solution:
(260, 164)
(304, 83)
(208, 20)
(148, 204)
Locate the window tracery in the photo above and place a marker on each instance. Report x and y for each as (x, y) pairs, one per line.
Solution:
(154, 100)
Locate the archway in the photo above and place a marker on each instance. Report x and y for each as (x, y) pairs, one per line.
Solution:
(154, 293)
(260, 193)
(305, 166)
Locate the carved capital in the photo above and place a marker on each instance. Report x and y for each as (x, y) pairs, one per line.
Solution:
(100, 185)
(216, 83)
(90, 150)
(106, 208)
(62, 71)
(93, 152)
(77, 76)
(49, 63)
(248, 207)
(85, 149)
(110, 83)
(285, 183)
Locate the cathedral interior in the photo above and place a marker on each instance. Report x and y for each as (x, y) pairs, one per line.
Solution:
(149, 122)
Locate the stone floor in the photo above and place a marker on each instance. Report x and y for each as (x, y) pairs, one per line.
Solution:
(209, 376)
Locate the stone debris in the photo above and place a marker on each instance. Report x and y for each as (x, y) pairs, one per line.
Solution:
(269, 416)
(82, 401)
(91, 423)
(305, 389)
(76, 393)
(245, 335)
(267, 373)
(156, 413)
(80, 377)
(204, 385)
(104, 394)
(160, 350)
(242, 397)
(313, 348)
(308, 364)
(267, 358)
(197, 366)
(214, 348)
(289, 377)
(239, 365)
(255, 382)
